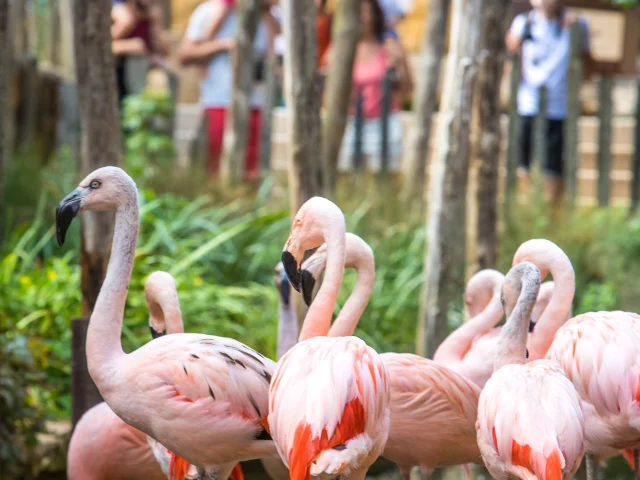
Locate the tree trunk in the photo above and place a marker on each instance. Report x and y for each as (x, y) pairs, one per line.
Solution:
(345, 36)
(426, 97)
(302, 99)
(5, 71)
(237, 132)
(444, 265)
(100, 130)
(482, 238)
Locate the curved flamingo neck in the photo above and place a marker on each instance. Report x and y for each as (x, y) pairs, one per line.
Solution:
(170, 307)
(457, 345)
(350, 314)
(318, 318)
(557, 311)
(287, 328)
(105, 326)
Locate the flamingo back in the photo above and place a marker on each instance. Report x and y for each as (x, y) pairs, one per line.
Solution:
(530, 423)
(329, 406)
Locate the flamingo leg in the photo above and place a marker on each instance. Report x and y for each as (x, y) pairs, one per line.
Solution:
(636, 469)
(592, 467)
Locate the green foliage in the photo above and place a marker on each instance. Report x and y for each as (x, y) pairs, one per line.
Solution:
(147, 119)
(20, 413)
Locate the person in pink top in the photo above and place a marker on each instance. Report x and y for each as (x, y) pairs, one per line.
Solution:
(374, 58)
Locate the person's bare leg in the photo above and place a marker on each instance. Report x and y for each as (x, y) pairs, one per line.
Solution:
(554, 188)
(524, 181)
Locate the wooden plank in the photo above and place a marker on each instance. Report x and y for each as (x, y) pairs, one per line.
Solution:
(635, 185)
(84, 393)
(604, 140)
(513, 130)
(571, 136)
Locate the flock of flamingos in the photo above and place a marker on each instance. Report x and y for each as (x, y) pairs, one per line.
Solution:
(528, 400)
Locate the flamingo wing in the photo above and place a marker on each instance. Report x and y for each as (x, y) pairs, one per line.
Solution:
(530, 422)
(210, 393)
(328, 405)
(600, 353)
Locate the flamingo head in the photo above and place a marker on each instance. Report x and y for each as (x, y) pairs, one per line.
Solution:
(520, 287)
(106, 188)
(312, 268)
(317, 219)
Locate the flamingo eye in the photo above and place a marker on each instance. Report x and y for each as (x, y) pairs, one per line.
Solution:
(95, 184)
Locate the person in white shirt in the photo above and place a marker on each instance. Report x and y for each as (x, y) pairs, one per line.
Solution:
(543, 37)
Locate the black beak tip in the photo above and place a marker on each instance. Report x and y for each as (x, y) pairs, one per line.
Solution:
(308, 282)
(291, 269)
(526, 353)
(285, 288)
(155, 334)
(532, 325)
(65, 213)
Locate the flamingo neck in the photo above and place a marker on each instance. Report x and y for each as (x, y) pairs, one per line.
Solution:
(348, 318)
(287, 328)
(512, 345)
(105, 326)
(318, 319)
(170, 306)
(557, 311)
(456, 345)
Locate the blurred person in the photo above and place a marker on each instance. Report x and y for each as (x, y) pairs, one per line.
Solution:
(394, 11)
(324, 22)
(216, 87)
(543, 36)
(374, 59)
(136, 30)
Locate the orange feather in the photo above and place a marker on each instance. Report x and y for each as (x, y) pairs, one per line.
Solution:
(306, 448)
(628, 456)
(553, 467)
(521, 456)
(178, 467)
(236, 473)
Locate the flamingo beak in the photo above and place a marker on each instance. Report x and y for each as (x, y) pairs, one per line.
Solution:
(66, 211)
(308, 282)
(285, 288)
(292, 269)
(532, 325)
(156, 334)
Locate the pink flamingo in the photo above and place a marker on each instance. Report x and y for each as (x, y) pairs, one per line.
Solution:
(549, 258)
(102, 446)
(328, 401)
(203, 397)
(433, 409)
(600, 353)
(472, 348)
(530, 423)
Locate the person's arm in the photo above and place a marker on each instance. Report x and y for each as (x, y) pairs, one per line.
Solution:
(158, 35)
(399, 60)
(191, 51)
(129, 46)
(221, 9)
(517, 33)
(273, 28)
(123, 21)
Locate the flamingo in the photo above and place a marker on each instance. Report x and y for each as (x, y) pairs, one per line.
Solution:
(600, 353)
(530, 423)
(433, 409)
(472, 348)
(205, 398)
(328, 401)
(549, 258)
(102, 446)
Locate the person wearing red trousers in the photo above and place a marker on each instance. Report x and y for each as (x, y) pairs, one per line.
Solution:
(207, 42)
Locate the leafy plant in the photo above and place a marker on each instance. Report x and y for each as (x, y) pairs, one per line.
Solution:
(147, 120)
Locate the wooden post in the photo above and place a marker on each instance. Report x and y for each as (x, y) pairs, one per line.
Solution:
(425, 99)
(345, 36)
(482, 237)
(358, 129)
(237, 131)
(513, 132)
(571, 134)
(384, 121)
(540, 150)
(100, 141)
(604, 140)
(5, 72)
(635, 184)
(446, 218)
(271, 86)
(300, 83)
(84, 393)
